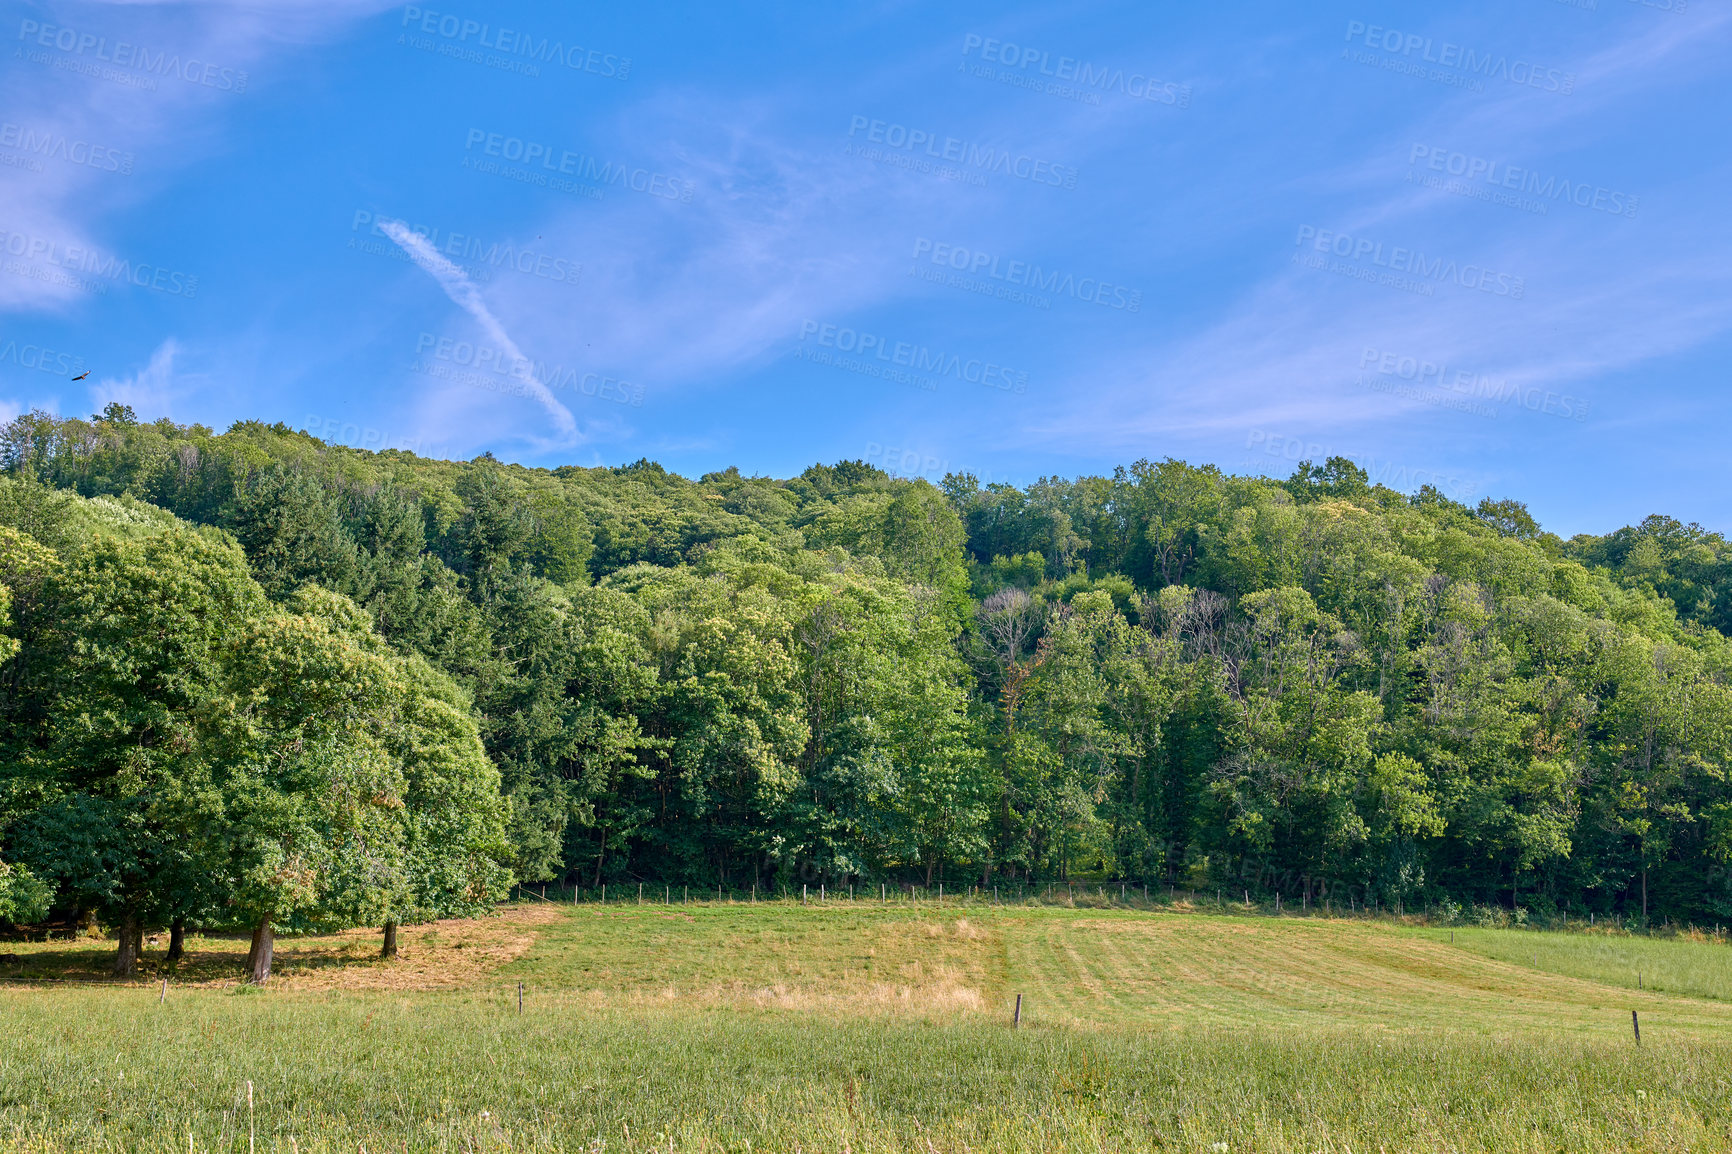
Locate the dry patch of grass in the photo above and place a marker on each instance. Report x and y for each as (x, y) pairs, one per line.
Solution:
(442, 955)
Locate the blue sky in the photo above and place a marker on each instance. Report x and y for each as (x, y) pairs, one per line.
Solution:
(1482, 246)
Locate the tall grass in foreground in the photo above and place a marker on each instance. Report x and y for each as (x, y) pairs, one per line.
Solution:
(1696, 969)
(109, 1070)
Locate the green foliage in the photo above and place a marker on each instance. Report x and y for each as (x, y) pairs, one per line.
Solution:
(180, 748)
(23, 897)
(1315, 684)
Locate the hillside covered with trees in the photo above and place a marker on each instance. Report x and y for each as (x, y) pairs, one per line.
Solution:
(254, 679)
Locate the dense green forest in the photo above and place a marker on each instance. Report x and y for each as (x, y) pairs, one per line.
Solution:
(254, 679)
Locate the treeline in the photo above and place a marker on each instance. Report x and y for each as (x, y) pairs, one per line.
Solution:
(1166, 675)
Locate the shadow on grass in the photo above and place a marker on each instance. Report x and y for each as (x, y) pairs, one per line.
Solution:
(432, 955)
(209, 960)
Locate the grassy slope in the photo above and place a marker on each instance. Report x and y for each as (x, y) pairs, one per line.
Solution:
(884, 1028)
(1123, 967)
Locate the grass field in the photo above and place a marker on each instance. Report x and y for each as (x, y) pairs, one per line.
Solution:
(1694, 969)
(861, 1027)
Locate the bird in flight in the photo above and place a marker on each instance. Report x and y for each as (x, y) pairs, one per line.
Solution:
(82, 375)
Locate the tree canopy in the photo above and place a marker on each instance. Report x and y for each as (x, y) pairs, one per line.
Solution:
(253, 676)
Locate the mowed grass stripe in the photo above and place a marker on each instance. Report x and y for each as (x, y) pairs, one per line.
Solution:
(1139, 967)
(1085, 965)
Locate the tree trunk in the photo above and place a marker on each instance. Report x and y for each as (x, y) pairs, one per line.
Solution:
(176, 941)
(259, 957)
(390, 948)
(131, 943)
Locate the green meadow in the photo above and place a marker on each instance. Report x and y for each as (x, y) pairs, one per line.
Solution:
(866, 1027)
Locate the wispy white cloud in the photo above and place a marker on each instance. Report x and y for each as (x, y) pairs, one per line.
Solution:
(783, 227)
(773, 234)
(151, 391)
(1603, 294)
(60, 208)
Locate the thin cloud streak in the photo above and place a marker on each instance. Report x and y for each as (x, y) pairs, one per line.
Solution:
(463, 293)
